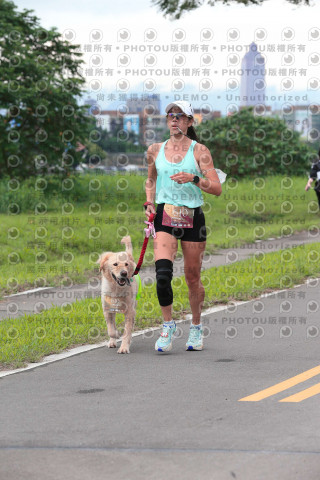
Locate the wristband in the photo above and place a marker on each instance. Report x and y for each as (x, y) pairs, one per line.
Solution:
(146, 204)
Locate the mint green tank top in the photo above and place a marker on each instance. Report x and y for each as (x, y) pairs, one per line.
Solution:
(168, 191)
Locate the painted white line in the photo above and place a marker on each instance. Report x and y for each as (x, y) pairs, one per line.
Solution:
(55, 358)
(86, 348)
(28, 291)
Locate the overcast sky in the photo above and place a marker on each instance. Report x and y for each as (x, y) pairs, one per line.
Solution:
(131, 28)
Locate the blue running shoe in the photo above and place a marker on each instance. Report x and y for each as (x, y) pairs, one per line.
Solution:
(195, 341)
(164, 342)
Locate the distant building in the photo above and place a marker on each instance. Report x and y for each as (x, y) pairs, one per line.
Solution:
(110, 120)
(302, 119)
(139, 104)
(131, 123)
(201, 114)
(314, 111)
(155, 127)
(92, 103)
(262, 110)
(253, 79)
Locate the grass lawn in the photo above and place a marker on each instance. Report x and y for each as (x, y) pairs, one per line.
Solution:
(53, 233)
(29, 338)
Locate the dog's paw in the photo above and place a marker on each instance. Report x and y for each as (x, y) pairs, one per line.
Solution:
(123, 349)
(112, 343)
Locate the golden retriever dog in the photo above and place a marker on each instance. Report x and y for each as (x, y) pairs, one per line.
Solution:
(118, 293)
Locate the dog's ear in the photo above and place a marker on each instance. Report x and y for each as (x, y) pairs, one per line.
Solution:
(103, 258)
(127, 242)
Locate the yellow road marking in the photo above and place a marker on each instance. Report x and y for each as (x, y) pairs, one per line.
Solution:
(280, 387)
(307, 393)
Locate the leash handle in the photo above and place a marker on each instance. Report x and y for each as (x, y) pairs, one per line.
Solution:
(150, 231)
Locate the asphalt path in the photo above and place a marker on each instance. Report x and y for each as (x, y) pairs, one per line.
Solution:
(100, 415)
(246, 407)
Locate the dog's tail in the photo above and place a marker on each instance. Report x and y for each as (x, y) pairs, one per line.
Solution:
(127, 241)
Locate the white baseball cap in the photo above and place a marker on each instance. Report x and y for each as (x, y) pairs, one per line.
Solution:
(186, 107)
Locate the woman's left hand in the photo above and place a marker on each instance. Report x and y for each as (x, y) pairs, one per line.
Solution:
(182, 177)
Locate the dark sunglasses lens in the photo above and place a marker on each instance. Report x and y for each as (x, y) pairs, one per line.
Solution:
(178, 115)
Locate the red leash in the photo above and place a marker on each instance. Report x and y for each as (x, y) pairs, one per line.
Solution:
(148, 231)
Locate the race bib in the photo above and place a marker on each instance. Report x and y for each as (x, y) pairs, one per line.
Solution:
(174, 216)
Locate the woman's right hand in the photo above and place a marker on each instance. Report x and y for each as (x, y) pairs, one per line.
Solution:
(308, 185)
(150, 209)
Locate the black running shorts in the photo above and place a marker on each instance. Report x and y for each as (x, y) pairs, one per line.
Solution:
(197, 233)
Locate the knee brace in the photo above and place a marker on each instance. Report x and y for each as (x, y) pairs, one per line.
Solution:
(164, 269)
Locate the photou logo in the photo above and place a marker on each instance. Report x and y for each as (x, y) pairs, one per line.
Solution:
(206, 35)
(230, 332)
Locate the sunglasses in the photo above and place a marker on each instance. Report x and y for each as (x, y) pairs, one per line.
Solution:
(176, 115)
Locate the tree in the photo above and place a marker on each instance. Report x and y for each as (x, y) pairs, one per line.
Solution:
(119, 141)
(175, 8)
(245, 145)
(40, 84)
